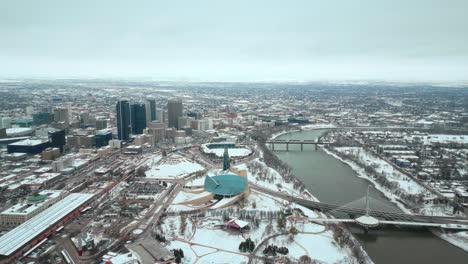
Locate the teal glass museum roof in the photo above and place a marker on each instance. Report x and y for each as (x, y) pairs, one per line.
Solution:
(225, 185)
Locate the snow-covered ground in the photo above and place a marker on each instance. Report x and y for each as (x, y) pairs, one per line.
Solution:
(174, 166)
(303, 127)
(441, 138)
(198, 182)
(322, 247)
(317, 126)
(207, 240)
(184, 196)
(224, 258)
(459, 239)
(362, 174)
(262, 175)
(275, 135)
(261, 201)
(233, 152)
(210, 242)
(405, 183)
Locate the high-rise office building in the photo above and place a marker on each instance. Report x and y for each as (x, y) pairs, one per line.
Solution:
(150, 110)
(61, 115)
(57, 139)
(138, 118)
(123, 120)
(160, 115)
(42, 118)
(101, 124)
(3, 133)
(157, 131)
(182, 122)
(5, 122)
(30, 111)
(174, 110)
(103, 137)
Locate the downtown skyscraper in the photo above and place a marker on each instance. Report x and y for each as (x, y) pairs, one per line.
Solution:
(123, 120)
(137, 118)
(174, 111)
(150, 106)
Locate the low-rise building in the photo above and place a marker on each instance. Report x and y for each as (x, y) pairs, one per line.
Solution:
(30, 146)
(27, 209)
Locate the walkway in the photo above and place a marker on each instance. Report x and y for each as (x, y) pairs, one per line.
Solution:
(389, 216)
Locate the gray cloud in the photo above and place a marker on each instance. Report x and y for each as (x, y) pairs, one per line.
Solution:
(236, 40)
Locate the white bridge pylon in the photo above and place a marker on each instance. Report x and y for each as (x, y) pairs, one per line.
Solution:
(367, 220)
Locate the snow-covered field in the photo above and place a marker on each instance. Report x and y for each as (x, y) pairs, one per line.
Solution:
(263, 202)
(224, 258)
(405, 183)
(320, 247)
(174, 166)
(207, 240)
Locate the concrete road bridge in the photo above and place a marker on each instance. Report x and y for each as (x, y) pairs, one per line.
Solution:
(274, 142)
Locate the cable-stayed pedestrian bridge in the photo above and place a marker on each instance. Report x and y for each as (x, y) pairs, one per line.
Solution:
(370, 216)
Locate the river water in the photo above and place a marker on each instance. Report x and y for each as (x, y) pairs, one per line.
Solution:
(332, 181)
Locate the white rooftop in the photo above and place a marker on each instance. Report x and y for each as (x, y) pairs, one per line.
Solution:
(17, 130)
(367, 220)
(238, 222)
(29, 207)
(39, 179)
(21, 235)
(29, 142)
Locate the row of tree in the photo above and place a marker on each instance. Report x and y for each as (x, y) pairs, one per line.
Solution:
(247, 246)
(272, 250)
(344, 238)
(383, 181)
(178, 255)
(271, 160)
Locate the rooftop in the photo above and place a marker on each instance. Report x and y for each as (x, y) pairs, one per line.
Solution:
(29, 142)
(18, 130)
(22, 234)
(226, 185)
(33, 202)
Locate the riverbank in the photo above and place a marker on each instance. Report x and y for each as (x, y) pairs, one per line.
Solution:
(337, 227)
(459, 240)
(303, 128)
(361, 173)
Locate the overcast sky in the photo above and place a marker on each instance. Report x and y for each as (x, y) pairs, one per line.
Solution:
(415, 40)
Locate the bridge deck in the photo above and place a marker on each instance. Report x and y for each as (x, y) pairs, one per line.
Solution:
(335, 210)
(399, 223)
(296, 142)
